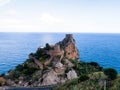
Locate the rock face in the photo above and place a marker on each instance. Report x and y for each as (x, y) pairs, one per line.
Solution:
(48, 65)
(69, 46)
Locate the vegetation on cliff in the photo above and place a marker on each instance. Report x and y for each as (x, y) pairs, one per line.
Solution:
(92, 77)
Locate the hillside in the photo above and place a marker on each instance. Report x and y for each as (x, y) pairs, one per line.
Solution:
(60, 65)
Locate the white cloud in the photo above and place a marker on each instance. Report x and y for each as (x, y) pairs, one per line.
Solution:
(49, 19)
(14, 21)
(3, 2)
(18, 22)
(12, 12)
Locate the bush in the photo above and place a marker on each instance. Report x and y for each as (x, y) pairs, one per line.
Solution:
(24, 70)
(111, 73)
(94, 64)
(48, 47)
(19, 67)
(29, 61)
(2, 75)
(83, 78)
(74, 82)
(13, 74)
(71, 82)
(28, 70)
(68, 69)
(31, 54)
(63, 61)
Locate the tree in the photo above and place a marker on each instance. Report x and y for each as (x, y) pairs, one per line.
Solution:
(47, 46)
(111, 73)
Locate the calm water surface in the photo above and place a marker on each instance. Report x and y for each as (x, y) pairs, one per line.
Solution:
(101, 48)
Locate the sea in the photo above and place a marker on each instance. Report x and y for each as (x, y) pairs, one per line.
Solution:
(93, 47)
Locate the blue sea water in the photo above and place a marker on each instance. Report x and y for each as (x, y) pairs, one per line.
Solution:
(101, 48)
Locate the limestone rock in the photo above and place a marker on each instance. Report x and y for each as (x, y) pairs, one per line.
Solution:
(71, 74)
(10, 82)
(50, 78)
(59, 65)
(69, 46)
(59, 68)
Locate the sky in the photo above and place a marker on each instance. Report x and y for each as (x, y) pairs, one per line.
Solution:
(85, 16)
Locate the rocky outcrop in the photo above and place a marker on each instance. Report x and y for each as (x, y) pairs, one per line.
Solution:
(48, 65)
(59, 68)
(37, 62)
(71, 74)
(69, 46)
(50, 78)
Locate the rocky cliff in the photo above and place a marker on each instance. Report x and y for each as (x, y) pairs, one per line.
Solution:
(47, 66)
(69, 46)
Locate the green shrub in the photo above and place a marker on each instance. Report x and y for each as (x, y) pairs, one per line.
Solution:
(74, 82)
(83, 78)
(67, 69)
(39, 53)
(42, 60)
(31, 54)
(94, 64)
(2, 75)
(48, 47)
(28, 70)
(111, 73)
(63, 61)
(25, 69)
(29, 60)
(71, 82)
(14, 74)
(19, 67)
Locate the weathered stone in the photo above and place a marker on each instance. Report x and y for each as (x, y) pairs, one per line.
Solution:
(71, 74)
(50, 78)
(10, 82)
(21, 78)
(69, 46)
(58, 64)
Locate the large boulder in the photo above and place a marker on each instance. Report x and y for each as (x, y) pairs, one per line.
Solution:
(59, 68)
(50, 78)
(71, 74)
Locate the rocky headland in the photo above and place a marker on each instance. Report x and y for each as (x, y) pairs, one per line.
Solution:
(47, 66)
(59, 65)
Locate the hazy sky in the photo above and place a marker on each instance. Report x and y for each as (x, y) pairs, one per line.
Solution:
(60, 16)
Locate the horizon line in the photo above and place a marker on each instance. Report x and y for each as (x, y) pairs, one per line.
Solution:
(69, 32)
